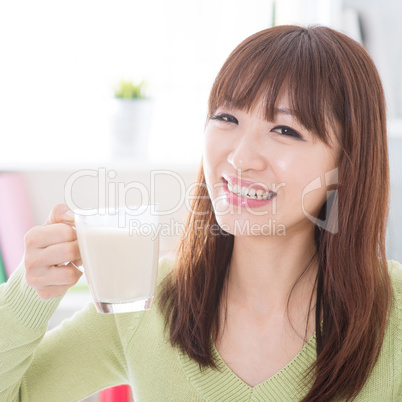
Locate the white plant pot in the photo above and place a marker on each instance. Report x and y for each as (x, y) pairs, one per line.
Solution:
(130, 127)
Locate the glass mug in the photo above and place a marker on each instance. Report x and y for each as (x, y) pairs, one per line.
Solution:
(120, 253)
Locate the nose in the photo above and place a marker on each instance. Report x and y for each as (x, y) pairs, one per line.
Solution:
(246, 156)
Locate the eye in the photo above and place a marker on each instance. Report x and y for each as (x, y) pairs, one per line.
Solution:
(287, 131)
(225, 117)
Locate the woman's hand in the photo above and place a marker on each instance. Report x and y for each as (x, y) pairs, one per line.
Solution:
(47, 249)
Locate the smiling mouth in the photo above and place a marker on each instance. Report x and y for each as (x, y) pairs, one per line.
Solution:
(249, 192)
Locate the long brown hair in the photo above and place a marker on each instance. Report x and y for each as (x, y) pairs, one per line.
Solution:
(330, 80)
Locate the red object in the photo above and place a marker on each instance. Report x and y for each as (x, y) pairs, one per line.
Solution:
(121, 393)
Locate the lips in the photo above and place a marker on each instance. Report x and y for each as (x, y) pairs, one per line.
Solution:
(246, 193)
(233, 180)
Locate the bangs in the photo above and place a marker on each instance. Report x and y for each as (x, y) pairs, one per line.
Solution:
(281, 57)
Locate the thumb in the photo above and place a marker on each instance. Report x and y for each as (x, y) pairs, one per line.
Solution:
(60, 213)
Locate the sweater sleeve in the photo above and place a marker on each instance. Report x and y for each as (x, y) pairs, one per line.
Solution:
(23, 317)
(74, 360)
(396, 278)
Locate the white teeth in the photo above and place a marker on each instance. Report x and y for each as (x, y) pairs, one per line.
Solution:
(250, 193)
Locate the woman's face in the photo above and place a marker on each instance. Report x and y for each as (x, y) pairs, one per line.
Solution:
(266, 178)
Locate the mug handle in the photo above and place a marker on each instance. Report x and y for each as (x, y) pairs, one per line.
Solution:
(79, 267)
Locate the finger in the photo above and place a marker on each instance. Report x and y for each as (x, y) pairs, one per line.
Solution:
(64, 275)
(60, 213)
(60, 253)
(44, 236)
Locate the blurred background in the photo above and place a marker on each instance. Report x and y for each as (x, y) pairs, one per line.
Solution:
(62, 59)
(61, 62)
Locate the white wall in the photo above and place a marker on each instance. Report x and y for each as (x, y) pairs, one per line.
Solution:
(382, 35)
(61, 59)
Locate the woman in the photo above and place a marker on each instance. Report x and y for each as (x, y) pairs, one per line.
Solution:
(280, 289)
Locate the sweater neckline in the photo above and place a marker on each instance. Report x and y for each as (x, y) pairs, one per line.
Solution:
(215, 384)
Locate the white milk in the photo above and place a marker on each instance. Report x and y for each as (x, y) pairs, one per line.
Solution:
(119, 266)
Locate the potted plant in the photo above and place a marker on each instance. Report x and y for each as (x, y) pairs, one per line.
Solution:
(131, 119)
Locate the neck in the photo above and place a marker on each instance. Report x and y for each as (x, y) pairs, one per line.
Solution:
(264, 270)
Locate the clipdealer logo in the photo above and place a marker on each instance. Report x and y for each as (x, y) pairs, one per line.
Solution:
(112, 193)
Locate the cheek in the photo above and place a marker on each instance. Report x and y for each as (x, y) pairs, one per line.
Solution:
(208, 161)
(314, 200)
(305, 175)
(314, 179)
(212, 159)
(214, 153)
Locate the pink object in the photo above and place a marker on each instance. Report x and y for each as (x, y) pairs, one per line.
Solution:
(121, 393)
(15, 219)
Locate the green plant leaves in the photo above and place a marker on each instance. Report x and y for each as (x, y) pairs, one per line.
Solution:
(129, 90)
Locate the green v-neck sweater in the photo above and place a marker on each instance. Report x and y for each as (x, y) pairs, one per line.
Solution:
(92, 351)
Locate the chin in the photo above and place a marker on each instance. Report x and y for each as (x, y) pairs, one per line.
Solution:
(244, 227)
